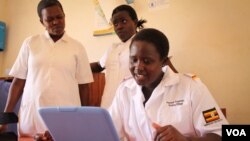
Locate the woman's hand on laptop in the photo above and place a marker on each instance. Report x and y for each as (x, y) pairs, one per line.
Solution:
(43, 137)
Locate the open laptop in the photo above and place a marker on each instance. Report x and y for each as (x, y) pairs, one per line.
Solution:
(79, 124)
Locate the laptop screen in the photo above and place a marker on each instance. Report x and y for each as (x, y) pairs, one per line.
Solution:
(79, 123)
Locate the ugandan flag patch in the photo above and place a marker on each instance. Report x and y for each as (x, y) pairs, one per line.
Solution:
(211, 115)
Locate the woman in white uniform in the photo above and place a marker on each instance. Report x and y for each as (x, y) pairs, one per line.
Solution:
(51, 69)
(115, 60)
(158, 106)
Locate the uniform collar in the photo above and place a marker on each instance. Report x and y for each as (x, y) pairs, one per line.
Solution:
(64, 38)
(169, 78)
(127, 43)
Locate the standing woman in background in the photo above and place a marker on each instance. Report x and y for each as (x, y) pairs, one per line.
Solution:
(116, 58)
(52, 69)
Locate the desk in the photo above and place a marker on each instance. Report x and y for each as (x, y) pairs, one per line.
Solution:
(25, 139)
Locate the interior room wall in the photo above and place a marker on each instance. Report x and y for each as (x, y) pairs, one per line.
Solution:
(208, 38)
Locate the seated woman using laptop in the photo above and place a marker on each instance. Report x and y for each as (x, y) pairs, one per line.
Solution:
(163, 106)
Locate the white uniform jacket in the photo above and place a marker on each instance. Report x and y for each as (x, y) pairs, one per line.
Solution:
(52, 71)
(179, 100)
(116, 64)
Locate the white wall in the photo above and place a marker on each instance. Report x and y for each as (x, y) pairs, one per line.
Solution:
(209, 38)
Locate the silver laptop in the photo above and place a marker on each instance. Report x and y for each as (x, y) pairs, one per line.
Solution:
(79, 123)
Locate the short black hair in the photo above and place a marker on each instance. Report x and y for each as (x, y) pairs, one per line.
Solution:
(156, 37)
(47, 3)
(131, 12)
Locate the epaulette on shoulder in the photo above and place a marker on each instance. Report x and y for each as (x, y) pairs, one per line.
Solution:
(191, 75)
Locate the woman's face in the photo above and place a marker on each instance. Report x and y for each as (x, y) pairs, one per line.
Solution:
(53, 19)
(145, 64)
(124, 26)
